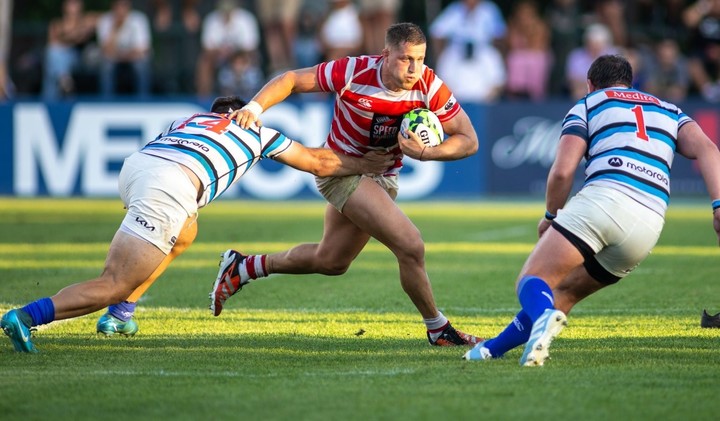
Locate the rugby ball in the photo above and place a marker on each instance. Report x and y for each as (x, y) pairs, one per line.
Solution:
(425, 124)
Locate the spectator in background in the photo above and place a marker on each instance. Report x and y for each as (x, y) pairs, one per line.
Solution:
(124, 38)
(306, 46)
(668, 77)
(68, 35)
(528, 56)
(566, 28)
(279, 20)
(657, 20)
(468, 62)
(240, 76)
(6, 85)
(597, 41)
(612, 14)
(341, 33)
(177, 45)
(703, 19)
(640, 61)
(376, 16)
(226, 30)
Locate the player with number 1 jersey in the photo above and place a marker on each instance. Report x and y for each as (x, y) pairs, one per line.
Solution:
(601, 234)
(631, 140)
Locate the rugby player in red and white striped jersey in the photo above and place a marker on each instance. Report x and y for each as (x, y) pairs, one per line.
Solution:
(372, 94)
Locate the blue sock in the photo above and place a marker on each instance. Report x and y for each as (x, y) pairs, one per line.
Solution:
(123, 311)
(535, 296)
(41, 311)
(515, 334)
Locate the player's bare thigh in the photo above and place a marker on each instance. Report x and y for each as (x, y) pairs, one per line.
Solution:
(576, 286)
(375, 212)
(130, 261)
(342, 240)
(552, 259)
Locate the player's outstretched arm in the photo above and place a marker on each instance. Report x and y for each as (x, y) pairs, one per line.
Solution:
(324, 162)
(275, 91)
(693, 143)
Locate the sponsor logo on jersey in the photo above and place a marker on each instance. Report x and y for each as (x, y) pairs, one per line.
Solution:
(365, 103)
(183, 142)
(649, 172)
(633, 96)
(384, 130)
(450, 103)
(615, 162)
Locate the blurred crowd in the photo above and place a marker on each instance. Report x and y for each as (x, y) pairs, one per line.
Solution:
(484, 50)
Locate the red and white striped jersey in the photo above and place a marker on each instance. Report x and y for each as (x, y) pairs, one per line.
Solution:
(367, 115)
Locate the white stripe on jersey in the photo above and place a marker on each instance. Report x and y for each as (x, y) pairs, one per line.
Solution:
(631, 138)
(217, 150)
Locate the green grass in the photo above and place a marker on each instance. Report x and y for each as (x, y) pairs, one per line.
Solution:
(290, 347)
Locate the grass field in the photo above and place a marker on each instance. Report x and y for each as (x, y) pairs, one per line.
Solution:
(290, 348)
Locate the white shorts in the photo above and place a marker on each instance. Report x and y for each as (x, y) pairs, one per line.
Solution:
(159, 198)
(610, 229)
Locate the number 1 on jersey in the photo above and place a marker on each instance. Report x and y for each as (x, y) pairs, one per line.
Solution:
(640, 123)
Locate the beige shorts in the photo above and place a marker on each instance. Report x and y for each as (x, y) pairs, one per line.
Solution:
(274, 10)
(337, 190)
(159, 198)
(621, 231)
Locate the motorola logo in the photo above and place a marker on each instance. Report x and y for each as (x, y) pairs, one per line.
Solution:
(615, 162)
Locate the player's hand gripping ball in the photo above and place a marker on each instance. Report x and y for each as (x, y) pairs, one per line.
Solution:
(425, 124)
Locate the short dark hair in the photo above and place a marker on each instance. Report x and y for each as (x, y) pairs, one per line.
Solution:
(404, 32)
(610, 70)
(226, 104)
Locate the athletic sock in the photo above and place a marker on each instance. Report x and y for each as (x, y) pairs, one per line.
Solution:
(122, 311)
(436, 325)
(535, 296)
(253, 267)
(41, 312)
(515, 334)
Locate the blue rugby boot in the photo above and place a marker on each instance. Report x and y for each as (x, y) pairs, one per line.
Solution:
(544, 330)
(17, 331)
(109, 325)
(478, 353)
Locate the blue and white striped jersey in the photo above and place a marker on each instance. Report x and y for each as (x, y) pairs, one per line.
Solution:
(217, 150)
(631, 140)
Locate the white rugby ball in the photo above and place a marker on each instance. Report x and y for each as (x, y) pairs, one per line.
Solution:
(425, 124)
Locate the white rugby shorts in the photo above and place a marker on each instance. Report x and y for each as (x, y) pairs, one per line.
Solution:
(620, 230)
(159, 197)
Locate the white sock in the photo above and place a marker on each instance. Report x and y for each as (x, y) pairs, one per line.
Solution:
(436, 325)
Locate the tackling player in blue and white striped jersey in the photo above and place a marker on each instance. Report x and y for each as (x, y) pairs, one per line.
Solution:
(162, 186)
(629, 139)
(218, 151)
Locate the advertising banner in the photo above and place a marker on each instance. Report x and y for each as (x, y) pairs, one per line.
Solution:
(77, 149)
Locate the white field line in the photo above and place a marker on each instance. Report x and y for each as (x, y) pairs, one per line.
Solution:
(223, 374)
